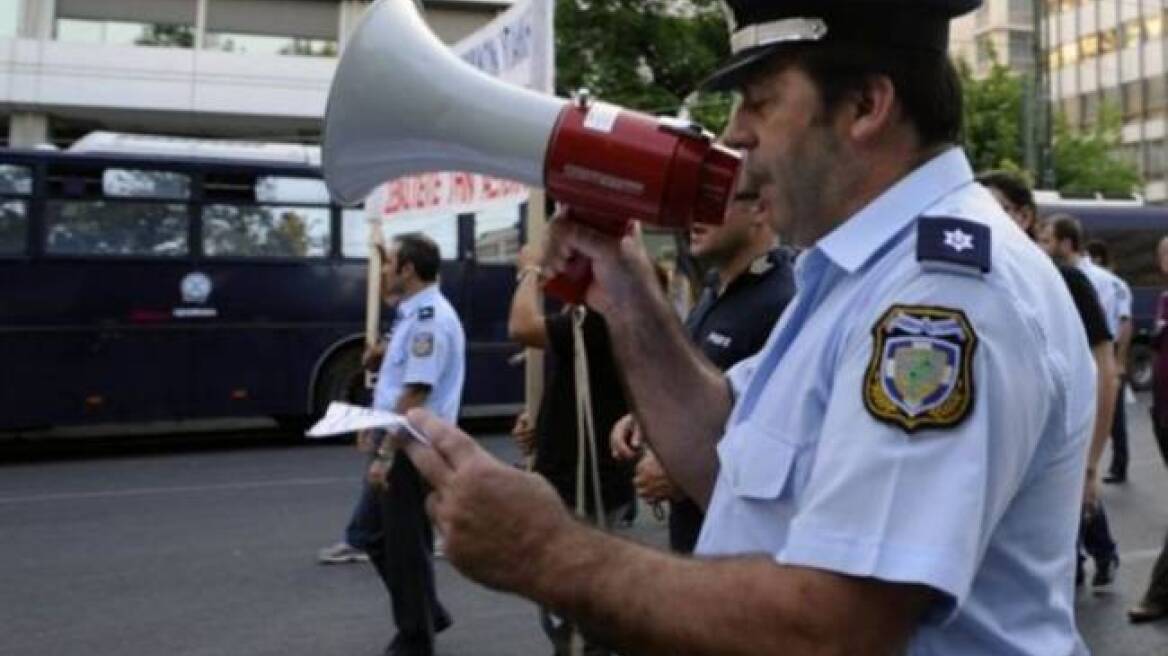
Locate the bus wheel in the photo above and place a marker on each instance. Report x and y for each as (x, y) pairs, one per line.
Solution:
(342, 379)
(1139, 367)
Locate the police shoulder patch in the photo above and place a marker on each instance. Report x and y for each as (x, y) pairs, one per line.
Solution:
(921, 371)
(953, 244)
(426, 312)
(422, 345)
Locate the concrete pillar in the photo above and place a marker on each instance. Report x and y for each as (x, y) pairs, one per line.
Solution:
(36, 19)
(28, 129)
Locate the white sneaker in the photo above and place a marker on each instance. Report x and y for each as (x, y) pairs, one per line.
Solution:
(340, 553)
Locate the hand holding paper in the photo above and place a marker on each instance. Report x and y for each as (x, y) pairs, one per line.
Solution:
(345, 418)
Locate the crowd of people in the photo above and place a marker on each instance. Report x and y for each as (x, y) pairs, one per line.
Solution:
(881, 433)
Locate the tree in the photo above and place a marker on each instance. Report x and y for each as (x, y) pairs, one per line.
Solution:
(1085, 162)
(992, 116)
(648, 55)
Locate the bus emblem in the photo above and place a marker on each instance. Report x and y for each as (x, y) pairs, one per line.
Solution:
(195, 287)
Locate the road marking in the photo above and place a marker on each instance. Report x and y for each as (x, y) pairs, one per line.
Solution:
(147, 491)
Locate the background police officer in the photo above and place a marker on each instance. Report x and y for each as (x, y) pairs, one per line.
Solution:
(898, 470)
(424, 366)
(749, 285)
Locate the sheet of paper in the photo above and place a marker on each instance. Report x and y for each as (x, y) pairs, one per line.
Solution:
(345, 418)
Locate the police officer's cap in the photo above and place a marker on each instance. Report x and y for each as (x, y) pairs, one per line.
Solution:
(758, 27)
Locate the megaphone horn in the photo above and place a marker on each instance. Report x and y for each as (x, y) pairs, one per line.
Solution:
(401, 103)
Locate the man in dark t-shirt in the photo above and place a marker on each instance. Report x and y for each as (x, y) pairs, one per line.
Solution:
(750, 283)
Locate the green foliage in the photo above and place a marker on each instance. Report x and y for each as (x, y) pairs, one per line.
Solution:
(993, 118)
(1085, 162)
(648, 55)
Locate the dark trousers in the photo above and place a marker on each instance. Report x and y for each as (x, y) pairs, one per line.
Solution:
(1157, 594)
(1119, 453)
(364, 526)
(685, 523)
(1095, 535)
(403, 556)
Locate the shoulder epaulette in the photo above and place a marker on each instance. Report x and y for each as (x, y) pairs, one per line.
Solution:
(950, 244)
(426, 312)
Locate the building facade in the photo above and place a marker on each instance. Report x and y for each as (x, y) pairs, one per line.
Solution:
(1097, 53)
(244, 69)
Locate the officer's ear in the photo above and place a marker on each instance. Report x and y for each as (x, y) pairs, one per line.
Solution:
(872, 108)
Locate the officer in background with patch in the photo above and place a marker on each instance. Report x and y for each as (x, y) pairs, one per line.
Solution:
(899, 469)
(749, 285)
(424, 366)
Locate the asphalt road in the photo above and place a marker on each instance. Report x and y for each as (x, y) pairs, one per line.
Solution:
(199, 547)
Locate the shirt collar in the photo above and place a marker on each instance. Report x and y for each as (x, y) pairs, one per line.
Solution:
(857, 239)
(423, 297)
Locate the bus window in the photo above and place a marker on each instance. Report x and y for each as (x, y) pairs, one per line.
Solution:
(136, 183)
(283, 189)
(497, 235)
(442, 228)
(1134, 254)
(108, 227)
(14, 181)
(265, 231)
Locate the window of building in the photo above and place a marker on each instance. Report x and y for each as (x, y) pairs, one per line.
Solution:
(1054, 58)
(1021, 12)
(1154, 26)
(1089, 46)
(497, 235)
(274, 231)
(985, 51)
(1069, 53)
(125, 33)
(113, 228)
(1157, 159)
(1108, 41)
(1157, 94)
(1133, 100)
(260, 44)
(1071, 110)
(272, 27)
(1090, 109)
(1133, 33)
(9, 17)
(1021, 53)
(14, 181)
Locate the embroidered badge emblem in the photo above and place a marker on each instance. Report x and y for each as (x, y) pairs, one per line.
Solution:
(422, 345)
(921, 371)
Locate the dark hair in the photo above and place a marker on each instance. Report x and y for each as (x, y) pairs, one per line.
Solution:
(1011, 185)
(420, 251)
(1067, 227)
(1098, 250)
(926, 82)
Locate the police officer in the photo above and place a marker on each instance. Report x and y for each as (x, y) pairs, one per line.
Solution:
(749, 284)
(898, 470)
(424, 366)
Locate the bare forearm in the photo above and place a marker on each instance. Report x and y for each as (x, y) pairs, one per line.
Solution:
(525, 323)
(1123, 344)
(413, 396)
(680, 400)
(1104, 403)
(642, 601)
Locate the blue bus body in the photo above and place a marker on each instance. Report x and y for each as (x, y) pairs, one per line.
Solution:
(1131, 233)
(184, 303)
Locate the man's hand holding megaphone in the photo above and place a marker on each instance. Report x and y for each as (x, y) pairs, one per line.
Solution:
(621, 272)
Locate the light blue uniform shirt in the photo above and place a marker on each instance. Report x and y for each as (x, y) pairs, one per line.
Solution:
(985, 511)
(1114, 294)
(427, 347)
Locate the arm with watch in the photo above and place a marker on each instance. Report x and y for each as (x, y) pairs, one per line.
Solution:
(413, 396)
(526, 323)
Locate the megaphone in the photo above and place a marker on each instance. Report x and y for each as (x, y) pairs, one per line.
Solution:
(401, 103)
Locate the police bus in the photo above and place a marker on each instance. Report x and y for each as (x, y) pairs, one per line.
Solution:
(1131, 229)
(146, 278)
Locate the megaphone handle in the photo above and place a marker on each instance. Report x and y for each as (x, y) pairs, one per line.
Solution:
(571, 285)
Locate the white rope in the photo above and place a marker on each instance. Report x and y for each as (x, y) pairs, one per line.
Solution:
(586, 450)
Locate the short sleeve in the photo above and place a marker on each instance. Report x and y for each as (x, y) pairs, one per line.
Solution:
(1124, 299)
(740, 374)
(428, 348)
(1088, 305)
(919, 504)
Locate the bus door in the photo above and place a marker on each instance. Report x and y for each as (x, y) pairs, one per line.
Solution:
(266, 242)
